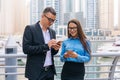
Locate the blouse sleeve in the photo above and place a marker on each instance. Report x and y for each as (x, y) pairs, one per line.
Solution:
(86, 57)
(62, 53)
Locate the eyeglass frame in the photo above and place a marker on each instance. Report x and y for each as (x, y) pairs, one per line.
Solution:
(72, 28)
(50, 19)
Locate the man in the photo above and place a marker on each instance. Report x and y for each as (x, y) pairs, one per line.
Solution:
(40, 46)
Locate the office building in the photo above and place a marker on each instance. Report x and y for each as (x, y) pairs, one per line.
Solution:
(92, 14)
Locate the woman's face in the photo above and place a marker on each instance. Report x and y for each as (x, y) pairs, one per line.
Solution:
(72, 28)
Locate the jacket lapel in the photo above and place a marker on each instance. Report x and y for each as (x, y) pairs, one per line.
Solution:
(51, 34)
(39, 32)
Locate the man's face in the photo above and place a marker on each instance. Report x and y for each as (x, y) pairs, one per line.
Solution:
(49, 19)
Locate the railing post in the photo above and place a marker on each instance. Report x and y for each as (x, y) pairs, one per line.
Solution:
(10, 48)
(112, 69)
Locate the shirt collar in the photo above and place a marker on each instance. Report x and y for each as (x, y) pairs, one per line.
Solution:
(42, 26)
(74, 38)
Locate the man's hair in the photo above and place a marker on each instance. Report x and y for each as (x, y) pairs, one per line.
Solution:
(49, 9)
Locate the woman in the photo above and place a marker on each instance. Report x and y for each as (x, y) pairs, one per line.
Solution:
(75, 52)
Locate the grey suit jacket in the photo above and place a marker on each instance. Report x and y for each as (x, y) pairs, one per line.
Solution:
(35, 48)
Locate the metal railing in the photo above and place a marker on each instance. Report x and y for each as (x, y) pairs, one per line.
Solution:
(103, 66)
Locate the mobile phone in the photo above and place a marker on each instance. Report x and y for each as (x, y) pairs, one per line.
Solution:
(59, 42)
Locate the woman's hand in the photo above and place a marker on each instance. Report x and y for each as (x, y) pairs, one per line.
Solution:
(66, 55)
(71, 54)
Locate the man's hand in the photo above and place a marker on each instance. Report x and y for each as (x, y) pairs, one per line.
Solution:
(51, 43)
(54, 44)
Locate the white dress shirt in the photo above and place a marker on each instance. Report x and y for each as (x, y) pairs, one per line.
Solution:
(48, 60)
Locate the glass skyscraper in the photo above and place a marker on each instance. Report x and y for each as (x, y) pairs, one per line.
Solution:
(91, 14)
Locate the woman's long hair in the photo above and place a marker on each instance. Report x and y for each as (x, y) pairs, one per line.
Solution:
(80, 34)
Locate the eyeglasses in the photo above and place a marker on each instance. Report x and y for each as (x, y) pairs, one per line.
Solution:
(51, 20)
(72, 28)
